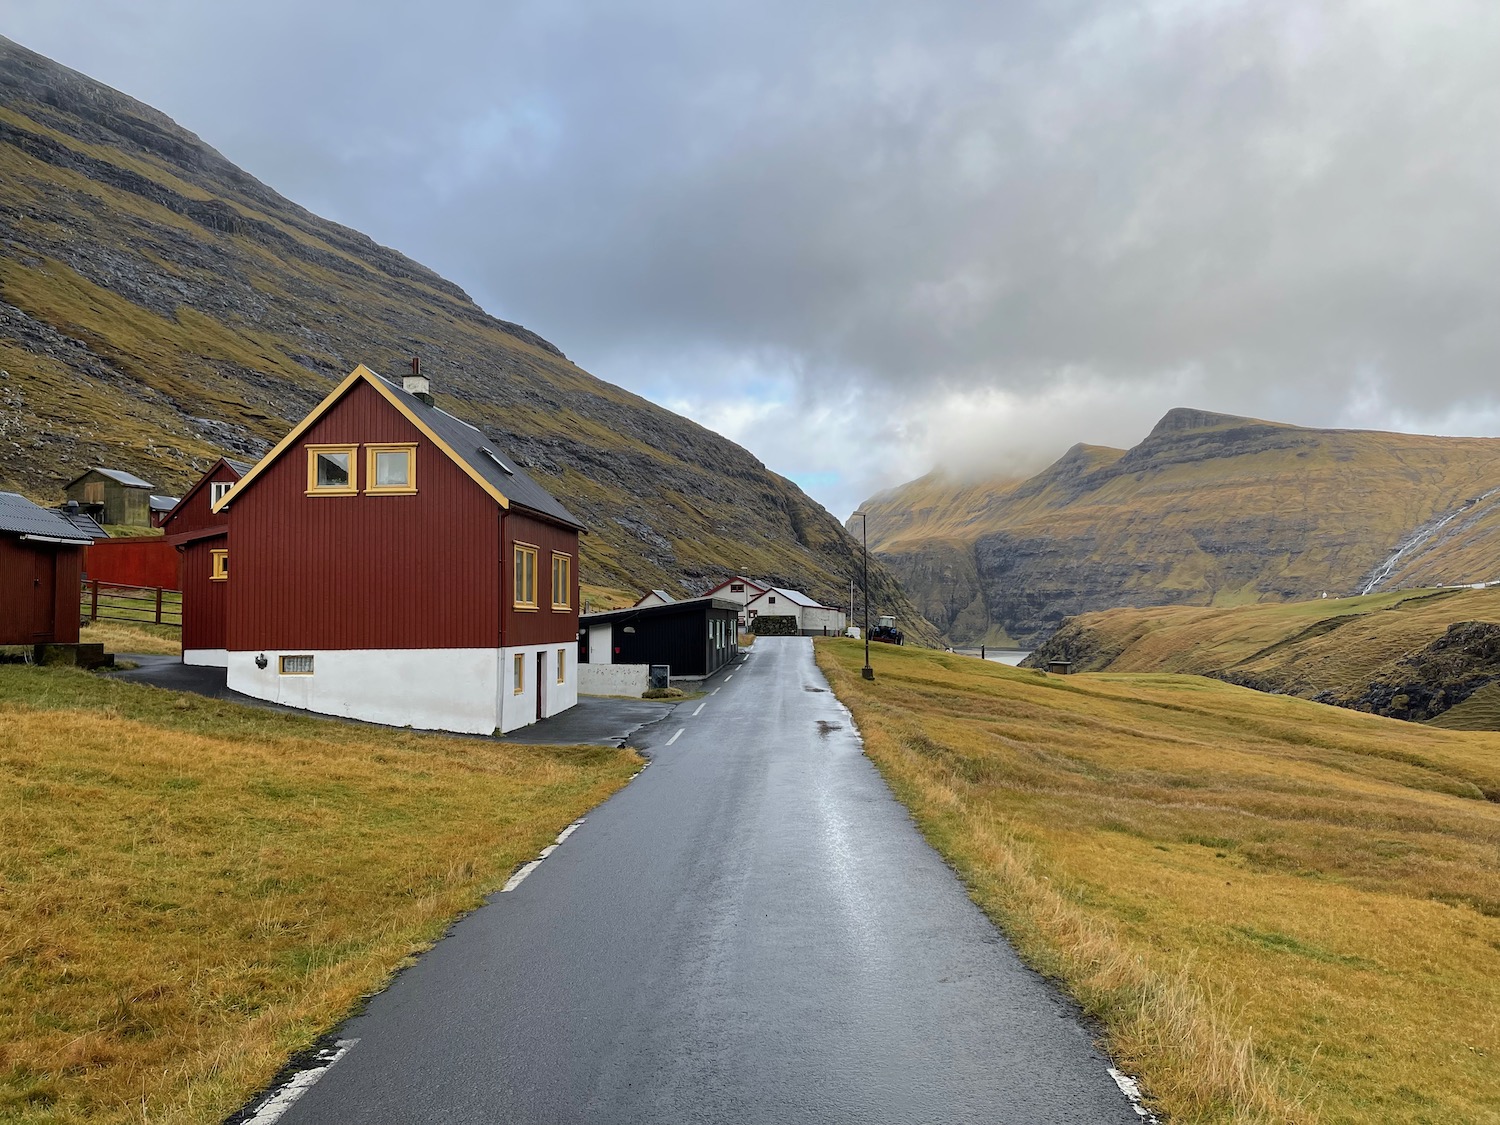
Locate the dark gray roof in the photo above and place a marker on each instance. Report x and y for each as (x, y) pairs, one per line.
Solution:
(241, 467)
(84, 523)
(129, 480)
(164, 503)
(686, 605)
(19, 516)
(486, 459)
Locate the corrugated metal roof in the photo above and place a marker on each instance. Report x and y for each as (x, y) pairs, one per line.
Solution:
(84, 523)
(129, 480)
(485, 458)
(164, 503)
(19, 516)
(796, 596)
(608, 616)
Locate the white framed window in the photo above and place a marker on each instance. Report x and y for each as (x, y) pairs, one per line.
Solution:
(218, 489)
(300, 665)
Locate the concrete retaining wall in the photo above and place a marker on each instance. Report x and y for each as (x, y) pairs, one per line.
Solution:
(613, 679)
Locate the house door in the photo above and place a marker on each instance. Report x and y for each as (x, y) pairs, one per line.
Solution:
(43, 595)
(541, 685)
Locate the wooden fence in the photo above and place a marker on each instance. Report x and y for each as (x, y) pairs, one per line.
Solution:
(109, 601)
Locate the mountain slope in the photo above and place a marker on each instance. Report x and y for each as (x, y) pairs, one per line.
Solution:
(159, 307)
(1209, 509)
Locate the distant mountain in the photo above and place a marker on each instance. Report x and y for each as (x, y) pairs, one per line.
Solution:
(1209, 509)
(160, 307)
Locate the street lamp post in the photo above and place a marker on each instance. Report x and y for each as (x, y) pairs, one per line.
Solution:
(864, 523)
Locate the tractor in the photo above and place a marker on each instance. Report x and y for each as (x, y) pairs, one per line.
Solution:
(885, 630)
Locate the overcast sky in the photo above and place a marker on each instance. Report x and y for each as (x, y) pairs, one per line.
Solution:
(866, 238)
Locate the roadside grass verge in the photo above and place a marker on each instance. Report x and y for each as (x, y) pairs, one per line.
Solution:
(195, 890)
(1282, 912)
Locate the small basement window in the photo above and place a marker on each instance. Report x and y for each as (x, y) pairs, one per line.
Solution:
(518, 674)
(562, 665)
(218, 490)
(771, 600)
(219, 564)
(391, 469)
(562, 581)
(331, 470)
(296, 665)
(525, 576)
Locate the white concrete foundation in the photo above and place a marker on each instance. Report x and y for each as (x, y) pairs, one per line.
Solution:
(467, 690)
(206, 657)
(613, 679)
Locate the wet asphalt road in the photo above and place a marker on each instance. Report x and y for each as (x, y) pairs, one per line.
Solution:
(751, 931)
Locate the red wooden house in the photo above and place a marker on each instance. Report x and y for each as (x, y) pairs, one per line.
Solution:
(386, 562)
(41, 567)
(201, 538)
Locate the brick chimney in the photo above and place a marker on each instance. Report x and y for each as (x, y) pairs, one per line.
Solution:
(416, 383)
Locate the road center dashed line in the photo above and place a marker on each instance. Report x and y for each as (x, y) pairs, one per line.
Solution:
(729, 677)
(717, 690)
(676, 736)
(298, 1084)
(700, 708)
(527, 868)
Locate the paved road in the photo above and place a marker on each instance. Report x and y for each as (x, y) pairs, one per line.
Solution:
(752, 931)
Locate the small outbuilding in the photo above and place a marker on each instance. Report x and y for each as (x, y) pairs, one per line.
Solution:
(41, 567)
(695, 638)
(654, 597)
(813, 618)
(112, 496)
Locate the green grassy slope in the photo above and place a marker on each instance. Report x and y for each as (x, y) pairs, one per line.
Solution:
(159, 307)
(1424, 654)
(1207, 510)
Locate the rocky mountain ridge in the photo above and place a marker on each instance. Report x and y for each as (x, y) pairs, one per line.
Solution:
(160, 306)
(1208, 509)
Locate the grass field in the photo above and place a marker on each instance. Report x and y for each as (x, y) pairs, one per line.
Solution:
(132, 636)
(1282, 912)
(194, 890)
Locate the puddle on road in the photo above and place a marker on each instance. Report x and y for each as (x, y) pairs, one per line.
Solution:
(825, 728)
(808, 687)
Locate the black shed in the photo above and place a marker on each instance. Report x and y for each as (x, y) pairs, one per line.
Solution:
(696, 637)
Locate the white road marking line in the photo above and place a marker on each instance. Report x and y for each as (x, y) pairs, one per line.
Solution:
(519, 877)
(729, 677)
(717, 690)
(1132, 1090)
(569, 830)
(700, 708)
(676, 736)
(548, 850)
(301, 1082)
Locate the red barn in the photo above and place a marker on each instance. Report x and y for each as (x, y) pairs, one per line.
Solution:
(41, 574)
(387, 562)
(201, 537)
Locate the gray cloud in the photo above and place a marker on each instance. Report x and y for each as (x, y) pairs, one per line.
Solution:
(980, 231)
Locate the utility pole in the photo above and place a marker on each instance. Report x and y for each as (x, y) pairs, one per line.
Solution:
(864, 527)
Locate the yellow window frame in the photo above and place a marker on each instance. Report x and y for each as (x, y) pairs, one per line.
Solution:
(562, 580)
(562, 665)
(523, 580)
(351, 489)
(371, 454)
(218, 565)
(518, 674)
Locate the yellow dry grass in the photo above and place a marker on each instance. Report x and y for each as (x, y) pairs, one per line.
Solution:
(1282, 912)
(128, 636)
(195, 890)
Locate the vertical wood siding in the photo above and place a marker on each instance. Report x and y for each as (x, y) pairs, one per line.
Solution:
(196, 512)
(204, 603)
(358, 572)
(544, 625)
(29, 573)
